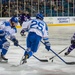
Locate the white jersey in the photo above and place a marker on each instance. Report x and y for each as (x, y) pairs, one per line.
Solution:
(9, 31)
(37, 26)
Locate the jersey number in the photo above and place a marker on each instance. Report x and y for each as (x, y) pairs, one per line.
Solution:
(39, 25)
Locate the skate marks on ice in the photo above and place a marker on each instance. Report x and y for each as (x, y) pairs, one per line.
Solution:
(35, 67)
(32, 69)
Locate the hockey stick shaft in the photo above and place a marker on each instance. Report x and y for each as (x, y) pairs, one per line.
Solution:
(42, 60)
(58, 53)
(69, 63)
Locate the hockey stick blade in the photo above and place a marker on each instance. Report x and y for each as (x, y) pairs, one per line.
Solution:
(70, 63)
(43, 60)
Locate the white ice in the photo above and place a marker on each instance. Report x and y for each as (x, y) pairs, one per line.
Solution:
(59, 39)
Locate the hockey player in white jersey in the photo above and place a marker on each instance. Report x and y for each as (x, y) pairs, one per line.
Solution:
(37, 30)
(7, 30)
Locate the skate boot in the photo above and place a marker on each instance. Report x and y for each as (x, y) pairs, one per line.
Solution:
(66, 53)
(3, 59)
(24, 59)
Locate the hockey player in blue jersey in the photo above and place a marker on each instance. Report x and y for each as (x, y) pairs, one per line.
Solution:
(37, 30)
(72, 46)
(7, 30)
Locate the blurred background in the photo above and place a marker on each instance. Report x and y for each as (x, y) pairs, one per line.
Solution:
(48, 8)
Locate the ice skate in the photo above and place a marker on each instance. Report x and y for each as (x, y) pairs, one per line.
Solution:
(24, 59)
(3, 59)
(66, 53)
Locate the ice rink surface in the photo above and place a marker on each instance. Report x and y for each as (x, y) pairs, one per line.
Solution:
(59, 38)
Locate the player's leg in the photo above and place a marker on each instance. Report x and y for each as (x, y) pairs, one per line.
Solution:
(70, 49)
(33, 41)
(5, 47)
(27, 55)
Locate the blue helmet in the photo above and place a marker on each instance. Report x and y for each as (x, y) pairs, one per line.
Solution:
(40, 16)
(14, 19)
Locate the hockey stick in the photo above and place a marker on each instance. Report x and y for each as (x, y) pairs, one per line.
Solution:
(58, 53)
(69, 63)
(42, 60)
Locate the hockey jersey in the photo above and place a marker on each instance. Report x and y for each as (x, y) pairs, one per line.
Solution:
(6, 27)
(38, 26)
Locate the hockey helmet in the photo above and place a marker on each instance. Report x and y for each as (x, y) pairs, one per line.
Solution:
(39, 16)
(14, 19)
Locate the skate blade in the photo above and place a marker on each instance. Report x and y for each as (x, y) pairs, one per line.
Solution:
(22, 62)
(2, 61)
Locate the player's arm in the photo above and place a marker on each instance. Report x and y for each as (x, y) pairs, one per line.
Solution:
(11, 35)
(2, 25)
(25, 27)
(14, 40)
(46, 39)
(47, 43)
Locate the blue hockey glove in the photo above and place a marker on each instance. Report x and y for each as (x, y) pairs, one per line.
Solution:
(15, 42)
(47, 45)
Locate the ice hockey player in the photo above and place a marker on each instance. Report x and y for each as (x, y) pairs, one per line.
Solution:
(72, 46)
(23, 18)
(37, 30)
(7, 30)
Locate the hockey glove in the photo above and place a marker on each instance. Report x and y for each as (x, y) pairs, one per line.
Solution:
(15, 42)
(22, 33)
(47, 45)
